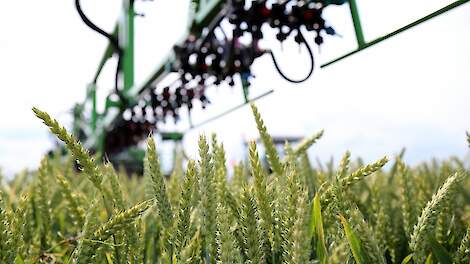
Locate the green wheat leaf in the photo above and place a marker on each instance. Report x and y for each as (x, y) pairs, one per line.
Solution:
(316, 227)
(354, 242)
(439, 251)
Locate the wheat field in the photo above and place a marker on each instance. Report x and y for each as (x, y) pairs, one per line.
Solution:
(298, 213)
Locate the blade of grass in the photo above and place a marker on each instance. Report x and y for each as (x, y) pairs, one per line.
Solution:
(316, 228)
(354, 242)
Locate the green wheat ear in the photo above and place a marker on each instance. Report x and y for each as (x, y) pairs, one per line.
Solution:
(71, 197)
(426, 221)
(343, 166)
(77, 150)
(407, 206)
(374, 254)
(307, 143)
(227, 250)
(158, 183)
(43, 205)
(345, 182)
(18, 225)
(120, 220)
(252, 233)
(208, 198)
(463, 253)
(260, 191)
(271, 152)
(80, 251)
(364, 172)
(192, 252)
(299, 252)
(183, 215)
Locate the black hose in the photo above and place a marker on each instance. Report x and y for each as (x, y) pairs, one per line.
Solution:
(312, 62)
(94, 27)
(113, 40)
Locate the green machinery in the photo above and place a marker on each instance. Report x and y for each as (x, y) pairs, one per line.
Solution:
(92, 129)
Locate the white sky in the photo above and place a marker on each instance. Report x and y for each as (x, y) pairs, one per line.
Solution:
(409, 91)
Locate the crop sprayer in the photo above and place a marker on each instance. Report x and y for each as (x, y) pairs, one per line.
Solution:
(206, 56)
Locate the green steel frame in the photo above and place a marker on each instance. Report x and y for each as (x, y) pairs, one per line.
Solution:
(202, 13)
(362, 44)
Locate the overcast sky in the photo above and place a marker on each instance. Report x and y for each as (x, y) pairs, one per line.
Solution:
(411, 91)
